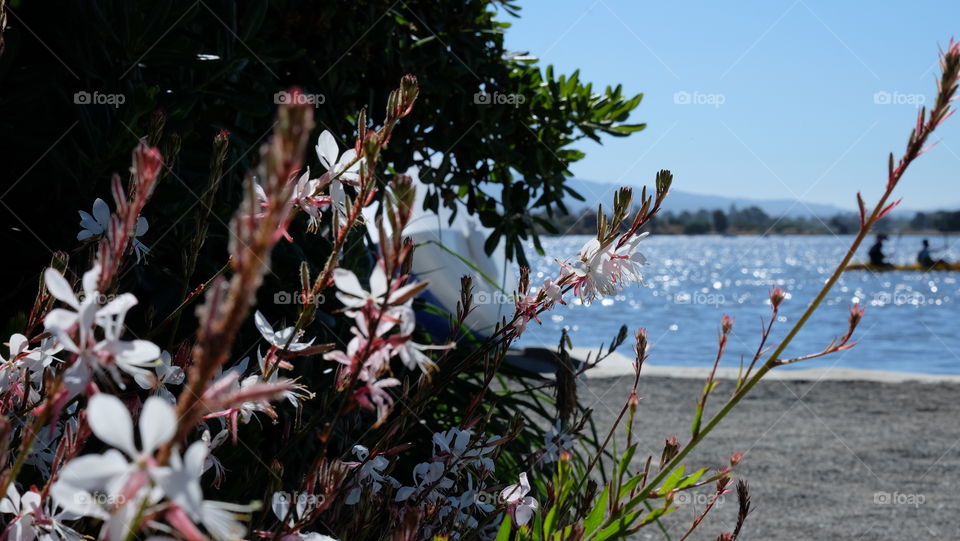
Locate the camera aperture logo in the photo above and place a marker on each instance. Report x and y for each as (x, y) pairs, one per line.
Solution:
(682, 97)
(884, 97)
(899, 498)
(298, 297)
(700, 298)
(498, 98)
(98, 98)
(284, 97)
(697, 499)
(300, 500)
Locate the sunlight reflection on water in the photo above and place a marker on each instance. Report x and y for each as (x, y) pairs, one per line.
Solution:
(691, 282)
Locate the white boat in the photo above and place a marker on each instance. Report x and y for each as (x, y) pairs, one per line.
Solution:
(446, 251)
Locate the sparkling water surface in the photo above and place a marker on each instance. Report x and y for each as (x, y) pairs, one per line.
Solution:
(911, 323)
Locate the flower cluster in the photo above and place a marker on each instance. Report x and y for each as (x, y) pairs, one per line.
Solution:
(307, 193)
(125, 484)
(95, 226)
(605, 264)
(452, 483)
(92, 330)
(383, 327)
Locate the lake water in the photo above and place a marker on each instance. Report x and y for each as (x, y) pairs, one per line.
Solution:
(911, 321)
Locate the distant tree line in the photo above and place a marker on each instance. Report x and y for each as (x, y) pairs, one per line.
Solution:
(753, 220)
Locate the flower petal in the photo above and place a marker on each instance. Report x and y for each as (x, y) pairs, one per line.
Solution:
(378, 281)
(90, 279)
(136, 352)
(10, 505)
(101, 212)
(221, 522)
(30, 502)
(58, 287)
(89, 223)
(194, 458)
(348, 283)
(264, 326)
(111, 422)
(523, 514)
(327, 150)
(158, 424)
(120, 305)
(92, 472)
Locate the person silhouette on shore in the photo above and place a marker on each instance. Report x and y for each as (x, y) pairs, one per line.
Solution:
(924, 257)
(877, 259)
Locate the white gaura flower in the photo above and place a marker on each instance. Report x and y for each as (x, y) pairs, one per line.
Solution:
(134, 356)
(280, 338)
(371, 473)
(602, 271)
(328, 151)
(628, 266)
(374, 396)
(519, 505)
(97, 224)
(139, 248)
(38, 359)
(23, 369)
(110, 354)
(411, 353)
(32, 520)
(294, 394)
(336, 164)
(22, 526)
(166, 374)
(61, 321)
(373, 351)
(453, 447)
(242, 398)
(305, 196)
(92, 226)
(555, 443)
(180, 481)
(426, 475)
(354, 296)
(114, 485)
(553, 291)
(453, 442)
(212, 461)
(594, 275)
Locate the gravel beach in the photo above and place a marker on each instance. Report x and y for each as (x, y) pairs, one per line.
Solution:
(824, 460)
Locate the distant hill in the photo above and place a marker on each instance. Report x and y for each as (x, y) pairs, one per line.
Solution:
(679, 201)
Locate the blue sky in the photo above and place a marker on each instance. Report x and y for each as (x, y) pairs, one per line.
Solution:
(798, 81)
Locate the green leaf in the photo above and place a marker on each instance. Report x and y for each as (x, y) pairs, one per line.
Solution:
(626, 458)
(505, 529)
(595, 517)
(697, 417)
(548, 520)
(692, 478)
(618, 528)
(671, 481)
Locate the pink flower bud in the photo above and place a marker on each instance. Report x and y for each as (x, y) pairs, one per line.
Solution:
(776, 297)
(726, 324)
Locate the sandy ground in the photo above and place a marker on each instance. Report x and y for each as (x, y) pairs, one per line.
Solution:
(824, 460)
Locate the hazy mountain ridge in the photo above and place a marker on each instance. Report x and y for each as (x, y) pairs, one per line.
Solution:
(599, 192)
